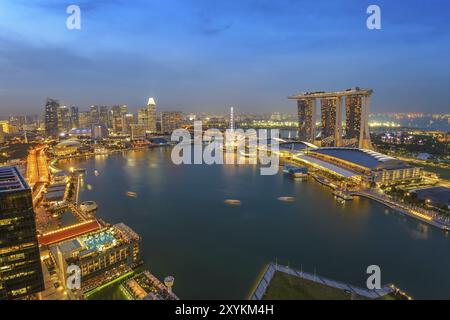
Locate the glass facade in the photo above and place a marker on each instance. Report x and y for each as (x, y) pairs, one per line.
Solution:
(20, 267)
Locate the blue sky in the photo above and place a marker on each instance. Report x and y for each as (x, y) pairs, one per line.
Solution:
(207, 55)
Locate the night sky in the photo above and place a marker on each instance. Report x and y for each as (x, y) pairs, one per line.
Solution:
(208, 55)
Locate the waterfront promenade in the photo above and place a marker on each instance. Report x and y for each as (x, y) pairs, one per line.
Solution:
(433, 219)
(272, 268)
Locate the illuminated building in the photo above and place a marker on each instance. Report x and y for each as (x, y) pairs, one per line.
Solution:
(307, 119)
(4, 124)
(20, 266)
(127, 121)
(353, 109)
(362, 164)
(2, 135)
(67, 147)
(98, 252)
(137, 131)
(147, 116)
(329, 114)
(84, 119)
(74, 117)
(51, 117)
(357, 102)
(145, 286)
(64, 123)
(171, 121)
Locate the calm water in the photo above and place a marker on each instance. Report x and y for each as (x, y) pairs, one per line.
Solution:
(217, 251)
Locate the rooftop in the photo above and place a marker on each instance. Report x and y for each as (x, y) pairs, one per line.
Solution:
(12, 180)
(363, 157)
(321, 94)
(68, 232)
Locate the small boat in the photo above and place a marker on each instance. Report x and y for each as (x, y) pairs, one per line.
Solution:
(132, 194)
(286, 199)
(233, 202)
(96, 173)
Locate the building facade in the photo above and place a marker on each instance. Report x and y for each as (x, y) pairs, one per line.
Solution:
(170, 121)
(20, 264)
(306, 109)
(51, 117)
(98, 252)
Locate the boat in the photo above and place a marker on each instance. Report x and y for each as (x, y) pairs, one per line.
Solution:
(132, 194)
(286, 199)
(233, 202)
(295, 172)
(96, 173)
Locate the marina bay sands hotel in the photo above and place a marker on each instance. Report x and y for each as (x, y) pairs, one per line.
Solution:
(357, 105)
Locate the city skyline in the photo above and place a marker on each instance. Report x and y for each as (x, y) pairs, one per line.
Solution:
(202, 57)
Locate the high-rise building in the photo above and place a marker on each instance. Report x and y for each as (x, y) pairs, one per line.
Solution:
(2, 135)
(170, 121)
(127, 121)
(84, 119)
(328, 116)
(103, 116)
(356, 112)
(137, 131)
(95, 115)
(116, 117)
(20, 264)
(63, 119)
(74, 117)
(147, 116)
(51, 117)
(306, 109)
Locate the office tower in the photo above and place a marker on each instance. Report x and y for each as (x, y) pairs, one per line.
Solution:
(170, 121)
(116, 117)
(84, 119)
(99, 131)
(147, 116)
(20, 265)
(74, 117)
(103, 116)
(127, 121)
(95, 115)
(306, 109)
(137, 131)
(63, 119)
(51, 117)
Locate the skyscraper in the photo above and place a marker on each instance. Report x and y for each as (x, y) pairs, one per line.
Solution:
(63, 119)
(95, 115)
(306, 109)
(170, 121)
(84, 119)
(51, 117)
(74, 117)
(151, 106)
(20, 266)
(104, 116)
(356, 113)
(328, 115)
